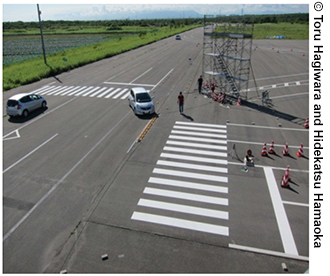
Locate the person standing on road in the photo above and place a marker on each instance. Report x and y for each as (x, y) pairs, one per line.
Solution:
(181, 102)
(200, 83)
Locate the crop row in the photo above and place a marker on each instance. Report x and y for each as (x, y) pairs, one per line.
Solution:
(19, 48)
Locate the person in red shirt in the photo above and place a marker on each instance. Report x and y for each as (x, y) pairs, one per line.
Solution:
(180, 102)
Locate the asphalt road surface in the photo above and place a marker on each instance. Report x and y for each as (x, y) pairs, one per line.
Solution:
(81, 195)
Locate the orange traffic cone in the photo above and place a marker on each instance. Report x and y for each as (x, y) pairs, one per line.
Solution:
(264, 150)
(286, 179)
(306, 125)
(285, 151)
(300, 151)
(271, 148)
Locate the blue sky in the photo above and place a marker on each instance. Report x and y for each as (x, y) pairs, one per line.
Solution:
(62, 11)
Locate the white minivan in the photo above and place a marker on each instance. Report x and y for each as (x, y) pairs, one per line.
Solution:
(140, 101)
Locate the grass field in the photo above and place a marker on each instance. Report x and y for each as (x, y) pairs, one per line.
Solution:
(28, 71)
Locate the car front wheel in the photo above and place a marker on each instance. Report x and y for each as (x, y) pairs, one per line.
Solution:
(43, 105)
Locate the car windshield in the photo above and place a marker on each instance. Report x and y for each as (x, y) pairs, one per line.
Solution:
(143, 97)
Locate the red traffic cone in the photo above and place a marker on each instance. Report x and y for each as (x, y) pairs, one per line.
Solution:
(286, 179)
(300, 151)
(306, 125)
(271, 148)
(285, 151)
(215, 96)
(239, 101)
(264, 150)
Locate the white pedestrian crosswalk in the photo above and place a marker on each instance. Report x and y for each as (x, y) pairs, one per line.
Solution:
(188, 188)
(83, 91)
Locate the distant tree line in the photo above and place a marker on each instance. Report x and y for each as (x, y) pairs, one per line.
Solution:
(302, 18)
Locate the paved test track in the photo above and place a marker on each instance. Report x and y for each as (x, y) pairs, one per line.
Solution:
(77, 186)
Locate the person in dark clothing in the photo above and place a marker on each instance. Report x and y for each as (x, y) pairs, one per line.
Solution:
(200, 83)
(181, 102)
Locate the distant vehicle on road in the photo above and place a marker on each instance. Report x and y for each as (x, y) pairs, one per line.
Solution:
(23, 104)
(177, 37)
(140, 101)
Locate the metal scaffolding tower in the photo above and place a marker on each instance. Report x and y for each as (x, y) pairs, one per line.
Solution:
(227, 51)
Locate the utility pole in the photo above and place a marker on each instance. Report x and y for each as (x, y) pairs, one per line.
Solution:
(42, 37)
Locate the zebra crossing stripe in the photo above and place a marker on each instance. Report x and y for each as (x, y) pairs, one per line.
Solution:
(186, 196)
(38, 90)
(201, 134)
(83, 91)
(192, 166)
(181, 223)
(199, 124)
(191, 175)
(70, 90)
(75, 91)
(215, 141)
(112, 93)
(47, 90)
(189, 185)
(63, 90)
(194, 158)
(192, 151)
(200, 129)
(120, 93)
(98, 92)
(196, 145)
(105, 92)
(205, 212)
(90, 91)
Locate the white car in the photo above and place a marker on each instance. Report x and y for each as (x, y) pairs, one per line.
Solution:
(23, 104)
(140, 101)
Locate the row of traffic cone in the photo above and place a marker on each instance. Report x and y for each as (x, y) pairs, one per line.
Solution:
(285, 151)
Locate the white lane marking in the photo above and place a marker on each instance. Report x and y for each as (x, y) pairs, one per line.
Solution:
(44, 143)
(296, 203)
(192, 166)
(201, 129)
(199, 124)
(193, 158)
(267, 127)
(141, 75)
(10, 133)
(125, 95)
(162, 79)
(196, 145)
(191, 175)
(203, 134)
(192, 151)
(63, 178)
(268, 252)
(181, 223)
(105, 92)
(189, 185)
(183, 209)
(280, 214)
(204, 140)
